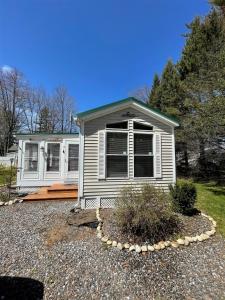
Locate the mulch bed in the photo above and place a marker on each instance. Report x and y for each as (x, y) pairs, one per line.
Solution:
(189, 226)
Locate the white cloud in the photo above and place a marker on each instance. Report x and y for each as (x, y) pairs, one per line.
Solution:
(6, 69)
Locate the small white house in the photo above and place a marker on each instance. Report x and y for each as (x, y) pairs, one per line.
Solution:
(125, 142)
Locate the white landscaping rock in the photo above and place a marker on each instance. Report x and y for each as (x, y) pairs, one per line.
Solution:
(109, 242)
(99, 235)
(132, 248)
(157, 246)
(10, 202)
(126, 246)
(114, 243)
(138, 249)
(99, 228)
(180, 242)
(167, 243)
(1, 203)
(199, 238)
(144, 248)
(21, 200)
(214, 223)
(120, 246)
(174, 244)
(105, 239)
(151, 248)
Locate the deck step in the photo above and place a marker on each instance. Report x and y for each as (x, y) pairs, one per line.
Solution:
(55, 192)
(62, 188)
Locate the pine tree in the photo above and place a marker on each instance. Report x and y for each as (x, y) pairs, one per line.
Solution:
(170, 90)
(45, 124)
(220, 4)
(202, 70)
(154, 97)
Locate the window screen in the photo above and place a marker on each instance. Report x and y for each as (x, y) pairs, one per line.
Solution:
(116, 152)
(73, 154)
(143, 155)
(31, 157)
(116, 143)
(53, 157)
(142, 144)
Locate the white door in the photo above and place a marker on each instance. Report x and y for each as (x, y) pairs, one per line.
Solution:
(53, 157)
(71, 161)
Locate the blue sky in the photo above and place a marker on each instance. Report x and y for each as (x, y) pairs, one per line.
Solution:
(101, 50)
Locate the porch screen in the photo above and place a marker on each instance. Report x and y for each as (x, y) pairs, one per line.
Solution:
(53, 157)
(116, 154)
(31, 157)
(73, 157)
(143, 155)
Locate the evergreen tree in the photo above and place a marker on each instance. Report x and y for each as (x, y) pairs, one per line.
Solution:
(154, 96)
(45, 124)
(220, 4)
(170, 90)
(202, 72)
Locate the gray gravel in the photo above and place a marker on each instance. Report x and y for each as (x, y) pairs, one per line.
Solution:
(75, 265)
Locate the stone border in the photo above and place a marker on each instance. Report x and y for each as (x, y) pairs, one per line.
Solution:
(11, 202)
(159, 246)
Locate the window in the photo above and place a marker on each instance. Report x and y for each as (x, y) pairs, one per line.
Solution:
(53, 159)
(73, 154)
(141, 126)
(118, 125)
(31, 157)
(116, 152)
(143, 155)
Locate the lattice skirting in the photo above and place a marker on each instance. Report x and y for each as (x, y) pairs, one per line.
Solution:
(95, 202)
(27, 189)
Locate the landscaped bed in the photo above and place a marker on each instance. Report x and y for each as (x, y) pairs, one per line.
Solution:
(188, 226)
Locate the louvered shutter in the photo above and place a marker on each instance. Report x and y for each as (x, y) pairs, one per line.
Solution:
(101, 155)
(158, 158)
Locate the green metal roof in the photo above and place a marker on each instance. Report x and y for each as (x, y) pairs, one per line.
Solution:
(127, 100)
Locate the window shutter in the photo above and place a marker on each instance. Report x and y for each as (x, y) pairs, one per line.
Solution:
(101, 154)
(158, 159)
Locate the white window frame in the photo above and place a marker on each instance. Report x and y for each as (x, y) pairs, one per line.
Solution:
(60, 158)
(117, 122)
(128, 156)
(76, 157)
(38, 157)
(145, 132)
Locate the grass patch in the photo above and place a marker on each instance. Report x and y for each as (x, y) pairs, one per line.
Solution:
(211, 199)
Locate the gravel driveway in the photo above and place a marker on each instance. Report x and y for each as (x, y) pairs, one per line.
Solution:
(71, 263)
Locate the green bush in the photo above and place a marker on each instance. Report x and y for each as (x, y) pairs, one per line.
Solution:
(4, 197)
(145, 212)
(6, 173)
(184, 195)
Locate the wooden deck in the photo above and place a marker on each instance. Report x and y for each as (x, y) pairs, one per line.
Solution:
(55, 192)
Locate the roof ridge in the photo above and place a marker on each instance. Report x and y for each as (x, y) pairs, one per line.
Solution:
(129, 99)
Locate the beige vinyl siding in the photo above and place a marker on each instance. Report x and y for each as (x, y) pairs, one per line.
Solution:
(92, 185)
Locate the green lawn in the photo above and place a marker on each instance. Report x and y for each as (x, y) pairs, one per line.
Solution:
(211, 200)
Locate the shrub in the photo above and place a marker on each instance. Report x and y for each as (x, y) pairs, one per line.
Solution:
(183, 196)
(4, 197)
(145, 212)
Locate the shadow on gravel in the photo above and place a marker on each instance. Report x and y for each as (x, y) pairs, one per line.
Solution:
(19, 288)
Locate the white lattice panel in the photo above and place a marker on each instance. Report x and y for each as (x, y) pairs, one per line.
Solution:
(27, 189)
(107, 202)
(91, 203)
